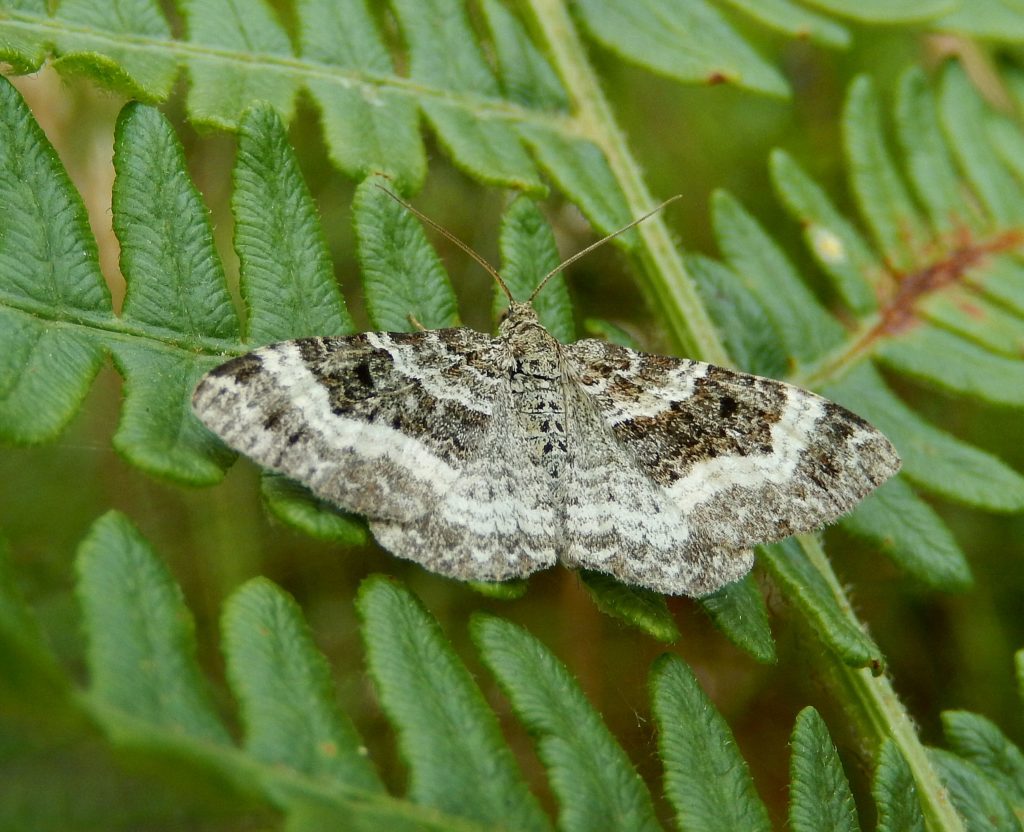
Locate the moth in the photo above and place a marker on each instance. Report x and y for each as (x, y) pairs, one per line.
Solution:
(487, 458)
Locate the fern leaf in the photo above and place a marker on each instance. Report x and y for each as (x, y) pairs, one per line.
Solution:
(936, 323)
(581, 171)
(1007, 141)
(526, 76)
(447, 56)
(303, 757)
(985, 19)
(285, 691)
(880, 11)
(25, 51)
(596, 784)
(929, 161)
(932, 458)
(934, 348)
(820, 604)
(1003, 282)
(964, 118)
(50, 284)
(160, 221)
(688, 41)
(142, 648)
(895, 793)
(457, 759)
(835, 243)
(286, 275)
(953, 363)
(176, 294)
(402, 275)
(883, 198)
(223, 86)
(905, 528)
(296, 506)
(739, 611)
(981, 742)
(986, 325)
(744, 323)
(98, 40)
(706, 779)
(146, 689)
(639, 607)
(368, 130)
(795, 21)
(977, 799)
(804, 327)
(819, 794)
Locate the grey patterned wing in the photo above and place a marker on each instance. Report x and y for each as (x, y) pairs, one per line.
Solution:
(618, 520)
(742, 459)
(396, 426)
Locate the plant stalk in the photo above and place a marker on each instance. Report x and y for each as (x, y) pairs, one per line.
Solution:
(671, 287)
(691, 326)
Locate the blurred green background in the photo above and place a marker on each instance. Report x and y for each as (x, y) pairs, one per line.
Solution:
(944, 651)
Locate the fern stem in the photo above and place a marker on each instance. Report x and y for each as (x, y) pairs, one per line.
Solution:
(666, 279)
(684, 313)
(876, 701)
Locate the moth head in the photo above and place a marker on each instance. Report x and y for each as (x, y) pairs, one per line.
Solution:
(518, 316)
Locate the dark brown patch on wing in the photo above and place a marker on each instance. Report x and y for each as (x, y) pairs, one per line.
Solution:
(726, 415)
(364, 383)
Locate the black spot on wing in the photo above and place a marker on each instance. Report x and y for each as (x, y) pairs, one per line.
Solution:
(362, 371)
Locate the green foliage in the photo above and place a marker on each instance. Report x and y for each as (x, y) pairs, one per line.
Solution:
(285, 271)
(458, 761)
(48, 363)
(931, 290)
(142, 647)
(791, 564)
(819, 797)
(339, 42)
(640, 607)
(590, 774)
(302, 756)
(738, 610)
(895, 793)
(31, 673)
(403, 278)
(285, 692)
(689, 41)
(976, 739)
(976, 797)
(706, 779)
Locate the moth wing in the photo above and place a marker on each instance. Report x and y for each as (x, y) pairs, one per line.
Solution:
(620, 521)
(394, 426)
(744, 459)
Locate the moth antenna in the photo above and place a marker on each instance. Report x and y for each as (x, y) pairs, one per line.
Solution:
(561, 266)
(493, 272)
